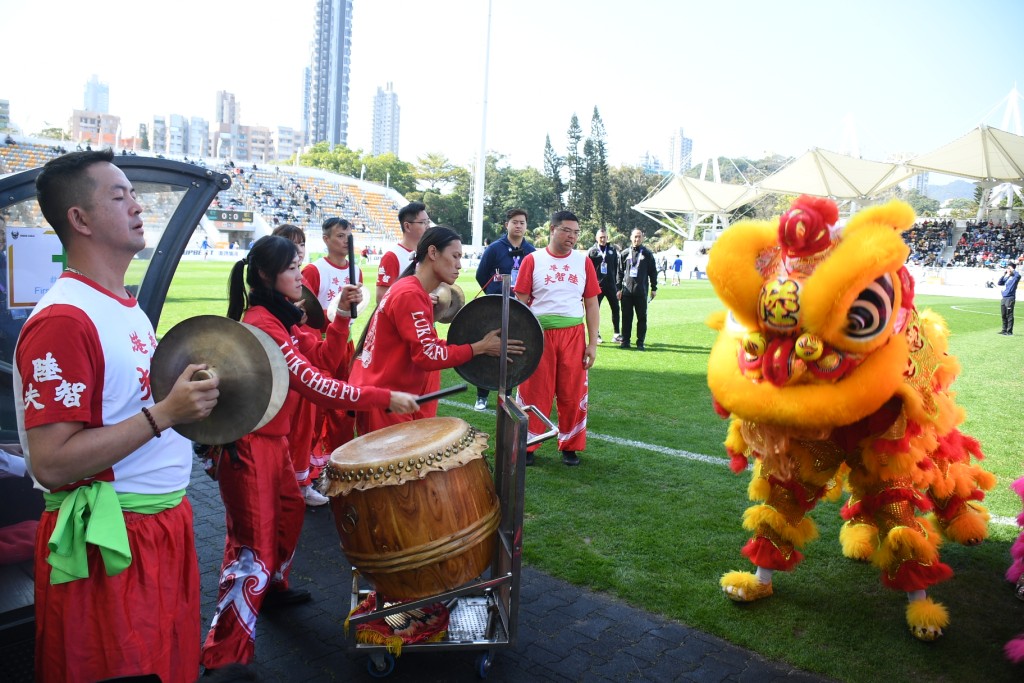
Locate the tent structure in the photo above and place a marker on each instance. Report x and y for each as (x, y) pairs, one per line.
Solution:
(678, 196)
(985, 153)
(822, 173)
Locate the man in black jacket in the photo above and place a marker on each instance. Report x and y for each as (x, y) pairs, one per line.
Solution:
(636, 269)
(605, 258)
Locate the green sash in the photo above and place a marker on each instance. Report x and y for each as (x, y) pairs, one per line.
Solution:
(93, 515)
(557, 322)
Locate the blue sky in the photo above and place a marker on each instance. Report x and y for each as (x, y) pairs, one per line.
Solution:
(740, 77)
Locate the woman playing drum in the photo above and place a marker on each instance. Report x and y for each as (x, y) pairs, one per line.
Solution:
(401, 349)
(263, 506)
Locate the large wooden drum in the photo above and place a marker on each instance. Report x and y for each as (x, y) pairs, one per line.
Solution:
(415, 507)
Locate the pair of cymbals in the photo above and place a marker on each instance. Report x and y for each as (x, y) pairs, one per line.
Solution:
(317, 317)
(450, 300)
(251, 368)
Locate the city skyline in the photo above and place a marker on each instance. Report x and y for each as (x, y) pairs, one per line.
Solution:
(782, 78)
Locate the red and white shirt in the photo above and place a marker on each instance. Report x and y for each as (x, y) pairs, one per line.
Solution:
(401, 348)
(557, 285)
(311, 361)
(326, 279)
(84, 356)
(392, 263)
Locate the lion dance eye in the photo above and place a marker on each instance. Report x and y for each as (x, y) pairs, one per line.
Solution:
(872, 310)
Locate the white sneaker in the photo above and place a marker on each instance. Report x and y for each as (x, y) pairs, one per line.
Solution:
(617, 339)
(599, 340)
(313, 497)
(481, 404)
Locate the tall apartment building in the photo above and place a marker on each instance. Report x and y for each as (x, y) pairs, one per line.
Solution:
(228, 110)
(158, 135)
(177, 135)
(198, 137)
(385, 122)
(329, 73)
(94, 127)
(97, 96)
(288, 141)
(680, 152)
(5, 114)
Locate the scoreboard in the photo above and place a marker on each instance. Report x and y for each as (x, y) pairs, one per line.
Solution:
(226, 215)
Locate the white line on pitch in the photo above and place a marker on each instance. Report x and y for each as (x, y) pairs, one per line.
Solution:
(688, 455)
(968, 310)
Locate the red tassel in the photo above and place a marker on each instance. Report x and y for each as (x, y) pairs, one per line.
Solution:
(763, 553)
(914, 576)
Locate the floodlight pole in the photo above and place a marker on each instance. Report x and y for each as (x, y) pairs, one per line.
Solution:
(481, 160)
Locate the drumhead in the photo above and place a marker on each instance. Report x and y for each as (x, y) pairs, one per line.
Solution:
(480, 316)
(401, 452)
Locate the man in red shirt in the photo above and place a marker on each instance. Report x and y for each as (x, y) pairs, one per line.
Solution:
(326, 277)
(414, 221)
(560, 285)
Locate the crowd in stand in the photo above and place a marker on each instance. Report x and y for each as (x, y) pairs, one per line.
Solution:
(990, 245)
(927, 240)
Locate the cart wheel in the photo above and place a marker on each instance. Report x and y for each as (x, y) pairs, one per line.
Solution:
(380, 666)
(483, 664)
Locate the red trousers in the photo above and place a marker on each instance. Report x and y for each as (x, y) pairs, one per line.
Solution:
(264, 511)
(302, 441)
(143, 621)
(560, 379)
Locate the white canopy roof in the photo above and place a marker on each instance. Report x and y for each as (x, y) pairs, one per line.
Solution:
(690, 195)
(985, 153)
(822, 173)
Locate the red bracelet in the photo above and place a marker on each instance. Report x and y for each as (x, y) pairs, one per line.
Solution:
(152, 422)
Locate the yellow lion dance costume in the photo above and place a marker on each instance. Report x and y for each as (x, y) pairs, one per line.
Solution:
(829, 374)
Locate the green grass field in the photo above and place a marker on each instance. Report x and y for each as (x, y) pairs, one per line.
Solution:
(658, 529)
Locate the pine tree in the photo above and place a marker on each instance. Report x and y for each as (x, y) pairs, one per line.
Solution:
(599, 179)
(553, 172)
(584, 209)
(574, 163)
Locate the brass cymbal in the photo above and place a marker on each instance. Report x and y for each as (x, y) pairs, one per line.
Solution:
(251, 368)
(332, 308)
(450, 300)
(314, 311)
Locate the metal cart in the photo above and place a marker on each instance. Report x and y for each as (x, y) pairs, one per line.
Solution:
(483, 614)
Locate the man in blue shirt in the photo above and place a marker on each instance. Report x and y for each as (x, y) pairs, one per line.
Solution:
(1008, 282)
(504, 255)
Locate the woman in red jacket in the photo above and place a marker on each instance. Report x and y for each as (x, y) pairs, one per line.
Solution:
(262, 502)
(401, 349)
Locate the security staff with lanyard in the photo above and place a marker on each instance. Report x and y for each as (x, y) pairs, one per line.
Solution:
(605, 258)
(636, 269)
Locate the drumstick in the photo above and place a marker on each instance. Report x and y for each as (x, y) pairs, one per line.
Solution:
(432, 396)
(352, 269)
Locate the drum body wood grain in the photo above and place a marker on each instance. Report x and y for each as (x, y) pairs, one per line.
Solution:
(415, 507)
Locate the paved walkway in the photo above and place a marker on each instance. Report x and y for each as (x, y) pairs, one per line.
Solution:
(565, 633)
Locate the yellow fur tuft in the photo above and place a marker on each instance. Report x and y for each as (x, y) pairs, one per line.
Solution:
(800, 534)
(903, 543)
(744, 587)
(970, 527)
(926, 619)
(859, 541)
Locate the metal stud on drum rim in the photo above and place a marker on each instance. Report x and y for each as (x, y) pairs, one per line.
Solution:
(251, 368)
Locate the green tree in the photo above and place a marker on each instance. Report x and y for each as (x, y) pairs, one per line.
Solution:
(600, 183)
(390, 170)
(524, 188)
(963, 208)
(553, 172)
(585, 196)
(628, 186)
(54, 133)
(574, 163)
(341, 159)
(922, 205)
(434, 170)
